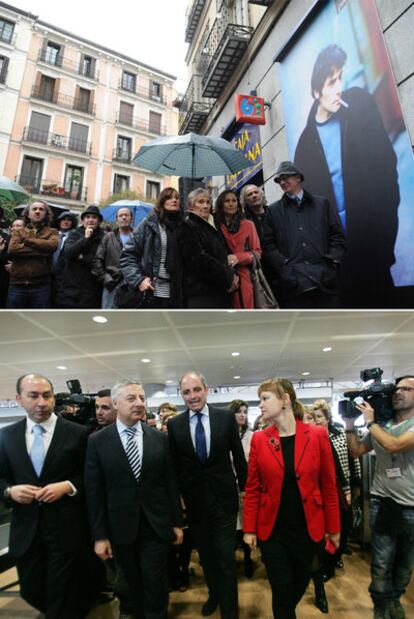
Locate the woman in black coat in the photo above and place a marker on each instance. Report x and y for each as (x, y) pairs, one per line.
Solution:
(208, 279)
(150, 261)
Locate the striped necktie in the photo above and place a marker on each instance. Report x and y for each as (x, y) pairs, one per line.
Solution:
(132, 452)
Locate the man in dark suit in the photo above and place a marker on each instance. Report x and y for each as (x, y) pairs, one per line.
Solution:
(41, 471)
(204, 440)
(133, 500)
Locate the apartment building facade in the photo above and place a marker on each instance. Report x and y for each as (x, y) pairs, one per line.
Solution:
(74, 114)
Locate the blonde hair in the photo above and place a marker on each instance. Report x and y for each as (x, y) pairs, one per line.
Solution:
(281, 387)
(322, 405)
(308, 410)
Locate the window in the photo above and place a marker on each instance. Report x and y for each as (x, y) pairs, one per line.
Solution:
(126, 112)
(87, 66)
(83, 101)
(155, 92)
(123, 148)
(78, 139)
(47, 88)
(153, 190)
(155, 123)
(121, 183)
(4, 62)
(73, 182)
(31, 174)
(128, 81)
(6, 30)
(39, 128)
(52, 54)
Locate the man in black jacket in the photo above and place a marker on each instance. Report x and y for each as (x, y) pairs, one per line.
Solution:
(345, 154)
(303, 244)
(205, 444)
(133, 500)
(80, 289)
(41, 471)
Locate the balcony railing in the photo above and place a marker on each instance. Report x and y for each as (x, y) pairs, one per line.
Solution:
(192, 19)
(55, 140)
(46, 56)
(261, 2)
(145, 93)
(194, 108)
(121, 156)
(222, 52)
(72, 103)
(141, 124)
(71, 190)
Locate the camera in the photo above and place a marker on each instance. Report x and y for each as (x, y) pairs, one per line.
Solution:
(378, 393)
(77, 406)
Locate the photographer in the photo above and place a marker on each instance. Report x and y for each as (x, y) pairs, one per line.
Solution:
(392, 497)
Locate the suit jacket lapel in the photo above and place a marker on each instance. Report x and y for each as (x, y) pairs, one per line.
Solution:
(273, 444)
(187, 433)
(214, 429)
(117, 449)
(58, 439)
(21, 447)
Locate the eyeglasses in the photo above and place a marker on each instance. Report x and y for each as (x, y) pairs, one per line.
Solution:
(284, 177)
(408, 389)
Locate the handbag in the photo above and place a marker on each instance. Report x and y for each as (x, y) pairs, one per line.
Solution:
(263, 295)
(127, 297)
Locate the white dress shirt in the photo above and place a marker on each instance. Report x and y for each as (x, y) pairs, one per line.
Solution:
(205, 420)
(121, 427)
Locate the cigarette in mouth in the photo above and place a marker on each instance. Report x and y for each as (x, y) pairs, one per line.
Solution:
(343, 103)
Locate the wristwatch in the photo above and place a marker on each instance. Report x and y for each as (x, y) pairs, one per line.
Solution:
(7, 492)
(370, 423)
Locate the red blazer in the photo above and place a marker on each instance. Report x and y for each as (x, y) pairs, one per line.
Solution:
(315, 472)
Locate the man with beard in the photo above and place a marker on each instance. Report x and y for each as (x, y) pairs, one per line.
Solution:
(392, 497)
(105, 266)
(30, 250)
(80, 289)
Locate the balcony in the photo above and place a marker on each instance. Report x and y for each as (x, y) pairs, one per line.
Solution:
(140, 124)
(261, 2)
(222, 52)
(71, 66)
(140, 91)
(56, 141)
(192, 19)
(121, 156)
(71, 103)
(72, 190)
(194, 108)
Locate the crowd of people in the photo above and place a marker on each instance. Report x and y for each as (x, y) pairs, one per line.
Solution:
(117, 506)
(180, 256)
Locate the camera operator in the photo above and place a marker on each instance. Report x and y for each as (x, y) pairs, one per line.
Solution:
(392, 497)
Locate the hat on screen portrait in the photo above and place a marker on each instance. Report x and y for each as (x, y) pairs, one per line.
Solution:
(287, 168)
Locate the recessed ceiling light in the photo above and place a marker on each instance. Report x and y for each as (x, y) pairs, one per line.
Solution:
(327, 349)
(146, 360)
(100, 319)
(236, 377)
(235, 354)
(170, 382)
(305, 373)
(61, 367)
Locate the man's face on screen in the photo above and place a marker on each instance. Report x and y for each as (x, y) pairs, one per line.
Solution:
(329, 98)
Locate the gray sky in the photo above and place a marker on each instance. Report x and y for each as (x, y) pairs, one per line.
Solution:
(151, 31)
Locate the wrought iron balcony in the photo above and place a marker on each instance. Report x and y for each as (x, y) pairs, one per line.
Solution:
(121, 156)
(46, 56)
(194, 108)
(56, 140)
(140, 124)
(72, 103)
(145, 93)
(192, 19)
(261, 2)
(222, 52)
(71, 190)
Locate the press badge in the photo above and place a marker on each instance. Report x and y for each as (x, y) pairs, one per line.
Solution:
(395, 472)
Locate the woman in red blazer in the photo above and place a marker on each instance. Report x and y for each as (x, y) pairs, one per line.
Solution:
(291, 502)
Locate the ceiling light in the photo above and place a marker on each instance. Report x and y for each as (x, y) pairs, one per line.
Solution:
(61, 367)
(170, 382)
(327, 349)
(305, 373)
(146, 360)
(100, 319)
(235, 354)
(236, 377)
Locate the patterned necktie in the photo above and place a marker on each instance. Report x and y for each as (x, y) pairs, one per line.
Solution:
(200, 439)
(37, 454)
(132, 452)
